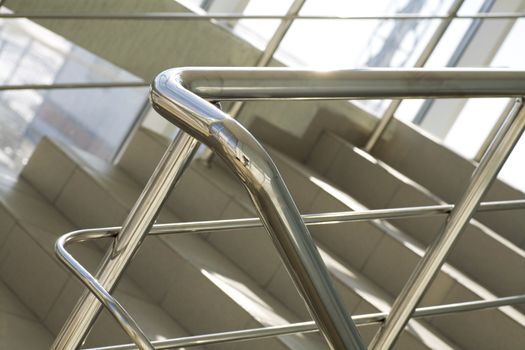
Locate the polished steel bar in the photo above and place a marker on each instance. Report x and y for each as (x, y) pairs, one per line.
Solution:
(304, 327)
(288, 83)
(134, 229)
(179, 16)
(388, 115)
(437, 252)
(329, 218)
(273, 83)
(116, 310)
(309, 219)
(57, 86)
(256, 170)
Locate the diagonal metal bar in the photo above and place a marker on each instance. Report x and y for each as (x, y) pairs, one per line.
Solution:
(497, 125)
(430, 264)
(272, 46)
(134, 230)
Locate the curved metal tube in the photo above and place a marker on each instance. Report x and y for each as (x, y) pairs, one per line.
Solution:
(116, 310)
(254, 167)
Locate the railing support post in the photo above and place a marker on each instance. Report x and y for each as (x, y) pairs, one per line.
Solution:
(137, 224)
(430, 264)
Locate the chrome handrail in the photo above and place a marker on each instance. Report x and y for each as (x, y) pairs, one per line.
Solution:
(299, 84)
(178, 94)
(124, 319)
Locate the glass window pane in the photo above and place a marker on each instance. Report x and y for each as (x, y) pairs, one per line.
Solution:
(513, 172)
(95, 120)
(446, 48)
(479, 115)
(259, 32)
(340, 44)
(512, 54)
(473, 125)
(256, 31)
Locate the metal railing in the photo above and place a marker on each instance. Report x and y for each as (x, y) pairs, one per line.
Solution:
(181, 95)
(423, 58)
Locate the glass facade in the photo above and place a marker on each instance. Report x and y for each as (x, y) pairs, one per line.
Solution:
(95, 120)
(31, 54)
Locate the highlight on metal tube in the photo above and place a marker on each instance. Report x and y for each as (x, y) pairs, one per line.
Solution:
(254, 167)
(125, 320)
(299, 84)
